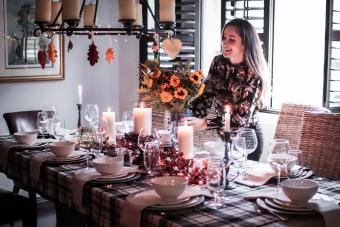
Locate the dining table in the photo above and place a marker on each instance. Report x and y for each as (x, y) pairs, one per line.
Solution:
(102, 201)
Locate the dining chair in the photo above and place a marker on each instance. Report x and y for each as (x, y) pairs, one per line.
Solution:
(15, 207)
(290, 120)
(320, 143)
(22, 121)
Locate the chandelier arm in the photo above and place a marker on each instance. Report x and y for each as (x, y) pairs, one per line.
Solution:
(95, 13)
(57, 16)
(152, 14)
(82, 9)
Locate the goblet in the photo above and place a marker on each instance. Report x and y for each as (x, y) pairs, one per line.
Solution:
(216, 176)
(86, 141)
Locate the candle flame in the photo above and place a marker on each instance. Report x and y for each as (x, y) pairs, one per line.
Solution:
(80, 88)
(227, 109)
(185, 123)
(141, 105)
(108, 109)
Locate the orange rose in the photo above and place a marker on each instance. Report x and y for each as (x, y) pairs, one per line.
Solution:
(175, 80)
(166, 96)
(181, 93)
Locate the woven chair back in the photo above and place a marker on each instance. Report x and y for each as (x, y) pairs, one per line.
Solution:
(320, 143)
(290, 121)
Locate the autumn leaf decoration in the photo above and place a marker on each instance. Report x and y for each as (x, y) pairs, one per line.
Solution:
(42, 56)
(70, 45)
(92, 54)
(110, 55)
(52, 52)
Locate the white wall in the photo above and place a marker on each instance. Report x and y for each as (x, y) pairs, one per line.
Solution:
(111, 85)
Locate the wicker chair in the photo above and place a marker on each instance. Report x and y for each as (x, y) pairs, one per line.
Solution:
(320, 143)
(290, 121)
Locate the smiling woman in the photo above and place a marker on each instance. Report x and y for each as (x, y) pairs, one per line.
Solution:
(20, 61)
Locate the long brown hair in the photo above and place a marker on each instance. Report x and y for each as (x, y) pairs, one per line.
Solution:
(253, 52)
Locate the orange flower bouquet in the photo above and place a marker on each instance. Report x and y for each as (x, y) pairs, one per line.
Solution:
(170, 89)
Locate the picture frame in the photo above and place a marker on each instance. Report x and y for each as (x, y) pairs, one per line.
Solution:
(19, 46)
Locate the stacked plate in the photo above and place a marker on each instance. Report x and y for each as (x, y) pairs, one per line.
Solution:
(283, 207)
(75, 156)
(301, 173)
(118, 178)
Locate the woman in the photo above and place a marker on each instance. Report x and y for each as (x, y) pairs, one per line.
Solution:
(235, 79)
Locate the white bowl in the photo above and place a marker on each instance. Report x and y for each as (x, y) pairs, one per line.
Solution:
(299, 191)
(25, 137)
(169, 187)
(108, 165)
(62, 149)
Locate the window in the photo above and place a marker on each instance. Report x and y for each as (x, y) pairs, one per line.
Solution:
(332, 53)
(188, 26)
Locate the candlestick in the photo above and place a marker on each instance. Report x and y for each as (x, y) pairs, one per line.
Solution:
(139, 16)
(227, 119)
(127, 10)
(142, 118)
(55, 10)
(79, 115)
(109, 116)
(89, 15)
(167, 11)
(185, 136)
(80, 94)
(43, 10)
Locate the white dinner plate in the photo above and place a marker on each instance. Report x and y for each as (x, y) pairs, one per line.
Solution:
(263, 205)
(129, 177)
(73, 156)
(113, 176)
(191, 202)
(285, 205)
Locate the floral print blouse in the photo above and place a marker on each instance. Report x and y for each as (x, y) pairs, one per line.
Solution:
(228, 84)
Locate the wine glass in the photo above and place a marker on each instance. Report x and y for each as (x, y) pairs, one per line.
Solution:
(251, 142)
(91, 113)
(86, 141)
(42, 123)
(151, 156)
(278, 157)
(127, 120)
(238, 153)
(216, 180)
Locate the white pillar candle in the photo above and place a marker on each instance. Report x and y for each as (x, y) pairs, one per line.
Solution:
(142, 118)
(185, 135)
(127, 10)
(167, 11)
(43, 10)
(139, 15)
(55, 10)
(109, 117)
(80, 94)
(71, 9)
(227, 119)
(89, 15)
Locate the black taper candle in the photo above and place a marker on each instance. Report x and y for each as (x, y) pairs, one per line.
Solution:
(79, 115)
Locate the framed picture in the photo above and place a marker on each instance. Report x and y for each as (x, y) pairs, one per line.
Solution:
(19, 46)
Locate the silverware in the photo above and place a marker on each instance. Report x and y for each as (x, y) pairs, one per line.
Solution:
(262, 209)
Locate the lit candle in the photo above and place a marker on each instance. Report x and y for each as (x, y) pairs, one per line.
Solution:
(89, 15)
(167, 11)
(227, 118)
(142, 118)
(185, 136)
(71, 9)
(43, 10)
(109, 117)
(139, 14)
(80, 94)
(55, 10)
(127, 10)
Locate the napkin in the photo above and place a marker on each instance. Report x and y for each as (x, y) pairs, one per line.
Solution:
(81, 178)
(133, 206)
(326, 206)
(36, 163)
(258, 174)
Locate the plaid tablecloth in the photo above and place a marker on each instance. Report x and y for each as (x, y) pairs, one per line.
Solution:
(102, 201)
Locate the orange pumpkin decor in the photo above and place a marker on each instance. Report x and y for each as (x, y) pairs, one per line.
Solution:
(110, 55)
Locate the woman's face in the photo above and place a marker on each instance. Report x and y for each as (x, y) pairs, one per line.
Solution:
(232, 45)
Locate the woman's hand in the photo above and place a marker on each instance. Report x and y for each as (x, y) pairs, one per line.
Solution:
(197, 123)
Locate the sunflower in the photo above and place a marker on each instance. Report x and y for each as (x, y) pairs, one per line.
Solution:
(175, 80)
(181, 93)
(156, 74)
(166, 96)
(195, 77)
(200, 90)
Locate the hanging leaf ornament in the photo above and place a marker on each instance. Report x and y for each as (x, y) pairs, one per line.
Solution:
(42, 56)
(52, 52)
(70, 45)
(110, 55)
(92, 54)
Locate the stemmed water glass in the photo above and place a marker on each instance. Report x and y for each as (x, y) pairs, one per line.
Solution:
(251, 142)
(278, 157)
(86, 141)
(91, 113)
(238, 154)
(42, 123)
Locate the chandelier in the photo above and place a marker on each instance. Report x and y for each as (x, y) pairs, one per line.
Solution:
(63, 17)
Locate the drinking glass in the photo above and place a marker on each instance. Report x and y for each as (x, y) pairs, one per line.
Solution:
(59, 128)
(50, 112)
(91, 113)
(294, 167)
(100, 130)
(127, 120)
(42, 123)
(238, 154)
(151, 156)
(278, 157)
(216, 180)
(251, 142)
(86, 141)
